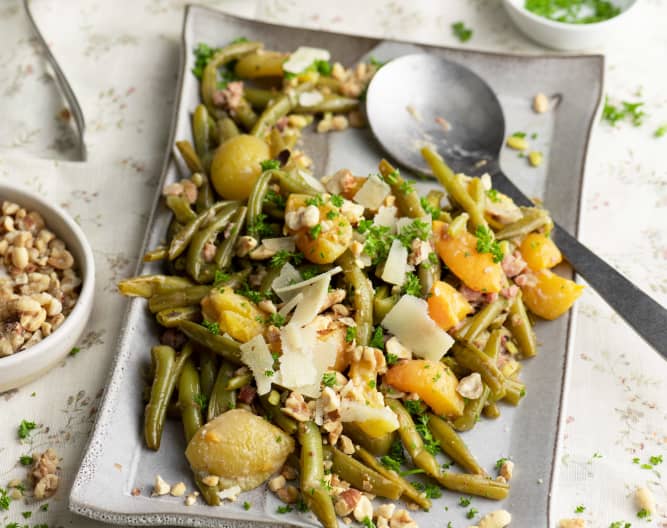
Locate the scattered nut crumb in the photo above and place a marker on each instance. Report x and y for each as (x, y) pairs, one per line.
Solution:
(160, 487)
(178, 489)
(571, 523)
(495, 519)
(540, 103)
(136, 492)
(190, 499)
(211, 480)
(44, 474)
(645, 500)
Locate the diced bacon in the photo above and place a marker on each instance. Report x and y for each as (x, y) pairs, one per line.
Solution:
(471, 295)
(247, 394)
(230, 97)
(208, 252)
(513, 264)
(525, 279)
(510, 292)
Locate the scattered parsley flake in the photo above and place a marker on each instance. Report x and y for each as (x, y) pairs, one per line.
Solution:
(487, 244)
(573, 11)
(500, 462)
(371, 384)
(220, 277)
(580, 509)
(430, 443)
(269, 164)
(660, 131)
(337, 200)
(26, 460)
(377, 340)
(367, 523)
(201, 400)
(430, 491)
(655, 460)
(429, 209)
(276, 319)
(212, 327)
(315, 200)
(644, 514)
(391, 359)
(519, 135)
(378, 240)
(471, 513)
(254, 295)
(315, 231)
(412, 231)
(323, 67)
(464, 501)
(493, 195)
(415, 407)
(246, 505)
(284, 509)
(5, 499)
(412, 285)
(28, 514)
(203, 54)
(301, 505)
(269, 373)
(407, 187)
(632, 111)
(44, 507)
(24, 429)
(329, 379)
(350, 333)
(461, 32)
(259, 228)
(74, 351)
(275, 199)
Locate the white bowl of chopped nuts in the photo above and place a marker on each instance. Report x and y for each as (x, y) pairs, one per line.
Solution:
(47, 278)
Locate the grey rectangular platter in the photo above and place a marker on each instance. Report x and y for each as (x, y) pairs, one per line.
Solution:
(528, 434)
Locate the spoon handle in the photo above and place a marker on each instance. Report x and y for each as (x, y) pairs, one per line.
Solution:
(640, 311)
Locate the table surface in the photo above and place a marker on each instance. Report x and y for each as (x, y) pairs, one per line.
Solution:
(122, 58)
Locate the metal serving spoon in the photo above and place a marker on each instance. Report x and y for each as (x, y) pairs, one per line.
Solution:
(434, 86)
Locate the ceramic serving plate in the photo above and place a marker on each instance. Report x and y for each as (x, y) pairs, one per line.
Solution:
(116, 460)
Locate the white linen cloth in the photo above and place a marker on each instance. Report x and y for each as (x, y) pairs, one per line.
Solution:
(121, 58)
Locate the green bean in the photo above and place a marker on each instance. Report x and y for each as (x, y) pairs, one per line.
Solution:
(205, 198)
(522, 331)
(382, 303)
(293, 181)
(281, 106)
(181, 209)
(227, 129)
(472, 358)
(514, 391)
(409, 492)
(194, 262)
(201, 132)
(458, 225)
(176, 299)
(208, 369)
(222, 345)
(188, 391)
(361, 476)
(311, 473)
(493, 344)
(258, 97)
(209, 81)
(379, 446)
(434, 198)
(183, 237)
(458, 370)
(363, 297)
(474, 485)
(149, 285)
(221, 399)
(483, 319)
(244, 115)
(477, 192)
(271, 275)
(190, 157)
(209, 493)
(429, 273)
(213, 130)
(329, 82)
(257, 195)
(172, 317)
(334, 103)
(533, 219)
(276, 415)
(453, 186)
(471, 412)
(491, 410)
(167, 366)
(238, 381)
(159, 253)
(407, 198)
(223, 256)
(453, 445)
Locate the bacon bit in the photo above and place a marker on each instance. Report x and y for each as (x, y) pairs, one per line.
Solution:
(510, 292)
(446, 126)
(282, 123)
(136, 492)
(513, 264)
(471, 295)
(247, 394)
(230, 97)
(208, 252)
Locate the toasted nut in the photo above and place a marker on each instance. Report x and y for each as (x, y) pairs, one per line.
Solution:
(267, 306)
(402, 519)
(20, 257)
(190, 499)
(347, 502)
(394, 346)
(211, 480)
(385, 510)
(277, 483)
(571, 523)
(540, 103)
(160, 487)
(471, 386)
(645, 500)
(506, 470)
(363, 509)
(289, 494)
(245, 245)
(346, 445)
(178, 489)
(495, 519)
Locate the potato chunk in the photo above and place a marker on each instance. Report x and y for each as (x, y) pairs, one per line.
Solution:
(239, 447)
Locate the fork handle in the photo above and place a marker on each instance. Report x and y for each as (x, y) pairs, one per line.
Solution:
(639, 310)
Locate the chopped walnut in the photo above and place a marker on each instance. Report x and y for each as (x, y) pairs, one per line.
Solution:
(44, 474)
(471, 387)
(572, 523)
(506, 470)
(296, 407)
(160, 487)
(402, 519)
(347, 502)
(346, 445)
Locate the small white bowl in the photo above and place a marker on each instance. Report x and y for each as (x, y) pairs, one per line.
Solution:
(564, 36)
(31, 363)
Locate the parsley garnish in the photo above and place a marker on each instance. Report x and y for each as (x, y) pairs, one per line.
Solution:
(391, 359)
(374, 62)
(26, 460)
(74, 351)
(461, 32)
(259, 228)
(655, 460)
(315, 231)
(500, 462)
(660, 131)
(246, 505)
(337, 200)
(275, 199)
(464, 501)
(573, 11)
(620, 524)
(580, 509)
(310, 271)
(395, 458)
(201, 400)
(612, 114)
(276, 319)
(212, 327)
(412, 231)
(329, 379)
(367, 523)
(269, 373)
(487, 244)
(412, 286)
(220, 277)
(493, 195)
(415, 407)
(254, 295)
(269, 164)
(430, 444)
(378, 240)
(407, 187)
(26, 514)
(644, 514)
(377, 340)
(203, 54)
(430, 491)
(350, 333)
(429, 209)
(284, 509)
(323, 67)
(471, 513)
(315, 200)
(4, 499)
(301, 506)
(283, 256)
(44, 507)
(24, 429)
(519, 135)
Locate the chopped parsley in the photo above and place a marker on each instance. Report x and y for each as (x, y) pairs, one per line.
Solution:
(407, 187)
(391, 359)
(283, 256)
(412, 286)
(655, 460)
(573, 11)
(337, 200)
(632, 111)
(301, 506)
(580, 509)
(315, 231)
(415, 407)
(487, 244)
(276, 319)
(430, 443)
(284, 509)
(377, 339)
(316, 200)
(519, 135)
(412, 231)
(203, 54)
(323, 67)
(220, 277)
(430, 209)
(471, 513)
(464, 501)
(367, 523)
(644, 514)
(395, 458)
(246, 505)
(378, 240)
(275, 199)
(660, 131)
(254, 295)
(269, 164)
(461, 32)
(201, 400)
(374, 62)
(26, 514)
(269, 373)
(493, 195)
(44, 507)
(24, 429)
(620, 524)
(350, 333)
(4, 499)
(310, 271)
(74, 351)
(212, 327)
(372, 384)
(430, 491)
(26, 460)
(329, 379)
(259, 228)
(500, 462)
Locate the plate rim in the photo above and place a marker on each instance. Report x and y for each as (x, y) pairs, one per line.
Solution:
(116, 373)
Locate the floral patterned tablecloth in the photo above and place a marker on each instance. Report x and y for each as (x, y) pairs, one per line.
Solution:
(122, 60)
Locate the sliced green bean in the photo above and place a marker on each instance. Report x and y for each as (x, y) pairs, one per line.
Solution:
(474, 485)
(182, 238)
(294, 182)
(244, 115)
(257, 195)
(281, 106)
(208, 369)
(276, 415)
(477, 192)
(159, 253)
(181, 209)
(407, 198)
(236, 382)
(259, 98)
(311, 474)
(227, 129)
(453, 445)
(379, 446)
(201, 132)
(514, 391)
(222, 345)
(522, 331)
(172, 317)
(472, 358)
(382, 303)
(363, 297)
(361, 476)
(494, 343)
(175, 299)
(189, 390)
(453, 186)
(483, 319)
(334, 103)
(224, 254)
(205, 197)
(491, 410)
(429, 272)
(190, 157)
(149, 285)
(221, 399)
(533, 219)
(471, 412)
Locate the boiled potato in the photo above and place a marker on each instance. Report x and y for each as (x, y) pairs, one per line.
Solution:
(477, 270)
(236, 166)
(432, 380)
(328, 239)
(549, 295)
(447, 306)
(239, 447)
(540, 252)
(235, 314)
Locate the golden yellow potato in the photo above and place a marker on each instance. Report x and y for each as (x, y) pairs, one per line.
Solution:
(549, 295)
(540, 252)
(236, 315)
(236, 166)
(239, 447)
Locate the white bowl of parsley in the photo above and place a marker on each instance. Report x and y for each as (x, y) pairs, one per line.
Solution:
(569, 24)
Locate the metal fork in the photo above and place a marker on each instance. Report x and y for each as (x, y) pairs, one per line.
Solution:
(63, 84)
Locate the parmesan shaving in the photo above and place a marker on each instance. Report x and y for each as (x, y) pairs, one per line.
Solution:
(396, 265)
(288, 275)
(303, 58)
(372, 193)
(257, 356)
